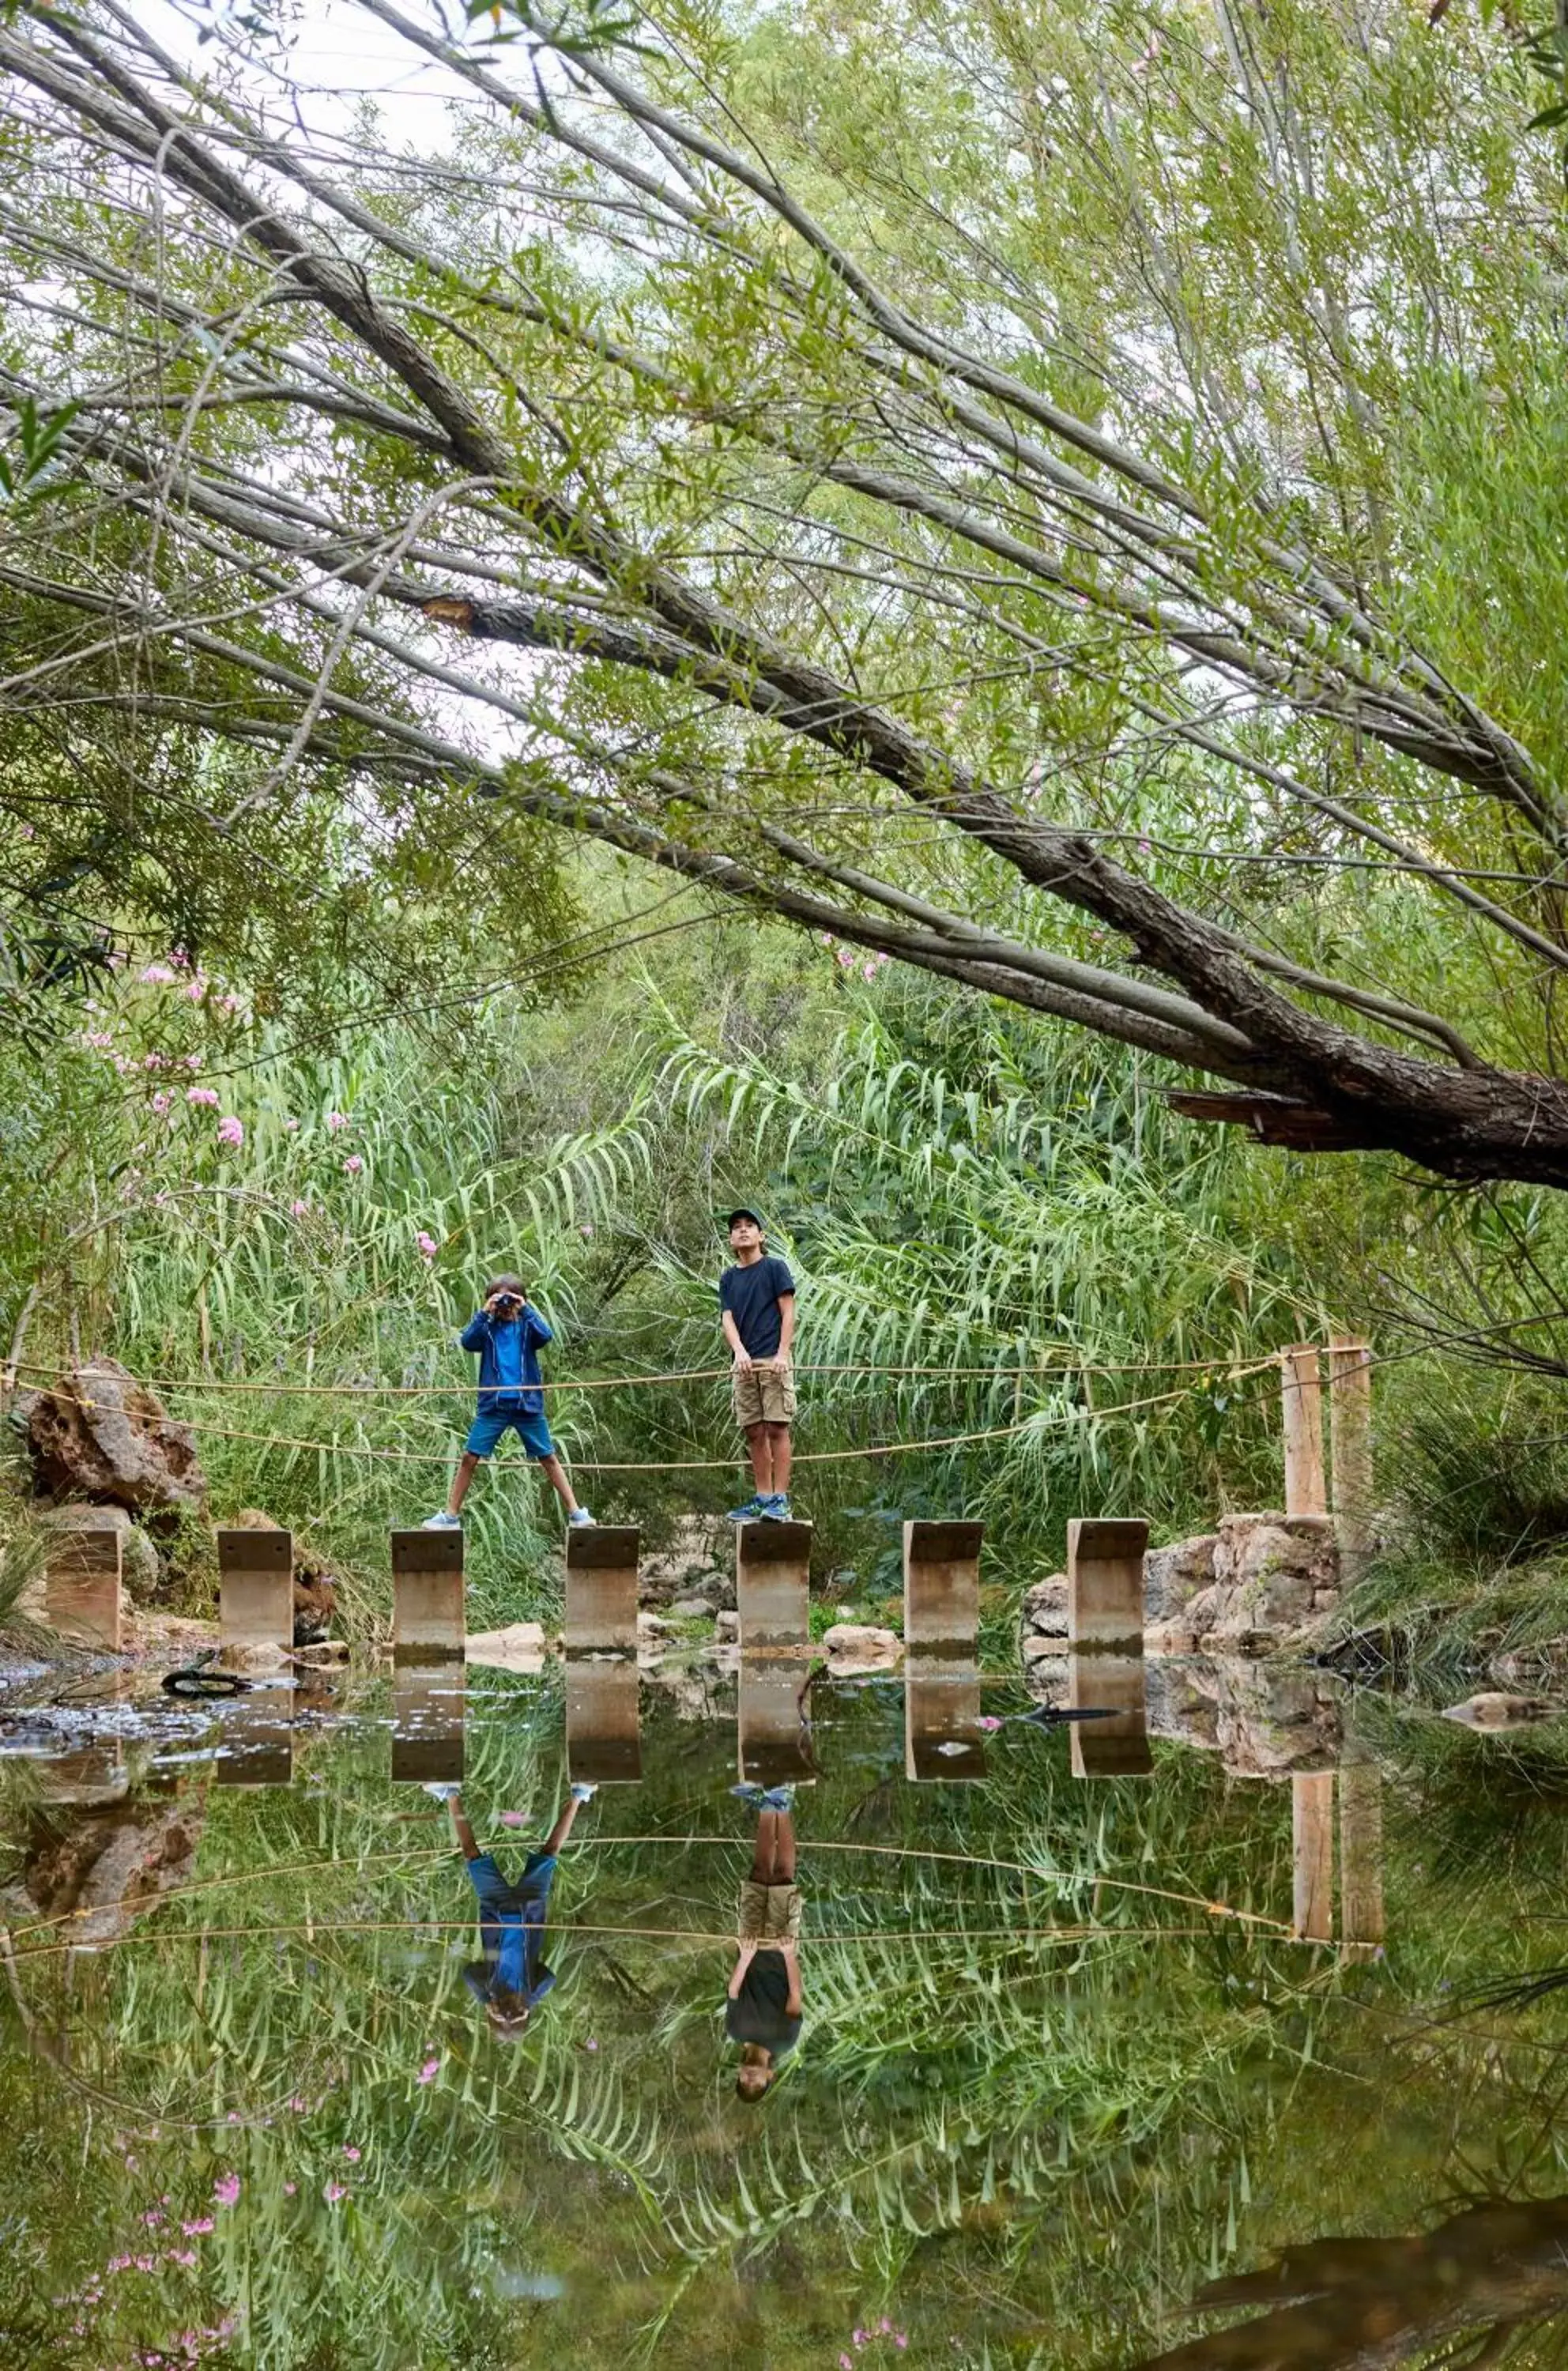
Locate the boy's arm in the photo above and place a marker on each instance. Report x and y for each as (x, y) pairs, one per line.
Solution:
(733, 1336)
(539, 1327)
(747, 1954)
(467, 1843)
(789, 1954)
(785, 1328)
(472, 1337)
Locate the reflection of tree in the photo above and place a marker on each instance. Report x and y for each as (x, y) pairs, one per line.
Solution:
(1365, 2304)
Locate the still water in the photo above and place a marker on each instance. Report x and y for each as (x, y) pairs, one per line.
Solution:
(1067, 2087)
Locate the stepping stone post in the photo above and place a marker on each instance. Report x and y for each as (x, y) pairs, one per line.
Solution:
(428, 1621)
(601, 1588)
(1117, 1748)
(1105, 1582)
(428, 1704)
(604, 1743)
(943, 1744)
(772, 1583)
(83, 1597)
(255, 1589)
(1312, 1842)
(256, 1739)
(774, 1744)
(942, 1585)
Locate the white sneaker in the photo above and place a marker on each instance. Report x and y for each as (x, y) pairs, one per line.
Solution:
(442, 1522)
(579, 1520)
(582, 1792)
(442, 1789)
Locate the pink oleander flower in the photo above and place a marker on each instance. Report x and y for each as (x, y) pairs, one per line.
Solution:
(352, 1165)
(194, 2226)
(512, 1819)
(883, 957)
(231, 1132)
(868, 971)
(196, 988)
(300, 2107)
(427, 1244)
(333, 2192)
(229, 1003)
(335, 1120)
(180, 959)
(843, 958)
(155, 1061)
(352, 2154)
(299, 1210)
(988, 1721)
(193, 1061)
(157, 975)
(152, 2218)
(289, 1125)
(179, 2255)
(429, 2071)
(146, 2263)
(161, 1103)
(290, 2188)
(98, 1039)
(225, 2190)
(202, 1095)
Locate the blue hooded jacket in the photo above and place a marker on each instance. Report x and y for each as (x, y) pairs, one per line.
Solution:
(509, 1362)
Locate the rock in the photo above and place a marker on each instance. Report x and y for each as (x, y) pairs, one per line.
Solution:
(861, 1646)
(1044, 1609)
(700, 1555)
(520, 1646)
(1170, 1638)
(1173, 1576)
(101, 1435)
(141, 1566)
(687, 1609)
(727, 1623)
(1036, 1647)
(1492, 1709)
(109, 1865)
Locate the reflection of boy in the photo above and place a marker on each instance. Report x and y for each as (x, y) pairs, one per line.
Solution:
(512, 1976)
(757, 1297)
(508, 1332)
(763, 2005)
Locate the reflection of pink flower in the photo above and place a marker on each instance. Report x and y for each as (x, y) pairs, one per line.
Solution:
(225, 2190)
(193, 1061)
(231, 1132)
(427, 1244)
(352, 1165)
(161, 1103)
(299, 1210)
(290, 2188)
(512, 1819)
(333, 2192)
(843, 958)
(198, 2223)
(335, 1120)
(868, 971)
(352, 2155)
(429, 2070)
(291, 1124)
(202, 1095)
(157, 975)
(987, 1721)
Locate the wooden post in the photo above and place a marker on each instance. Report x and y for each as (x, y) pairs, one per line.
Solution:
(942, 1739)
(1117, 1748)
(942, 1585)
(603, 1738)
(773, 1583)
(255, 1589)
(1105, 1582)
(256, 1741)
(1312, 1840)
(1350, 1438)
(83, 1599)
(1361, 1925)
(428, 1619)
(773, 1740)
(601, 1588)
(427, 1720)
(1302, 1403)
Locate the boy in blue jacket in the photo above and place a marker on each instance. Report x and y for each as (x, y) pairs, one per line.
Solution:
(507, 1332)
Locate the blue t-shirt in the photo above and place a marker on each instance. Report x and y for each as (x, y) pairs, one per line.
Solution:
(751, 1296)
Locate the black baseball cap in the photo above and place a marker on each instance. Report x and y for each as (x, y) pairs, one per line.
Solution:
(744, 1213)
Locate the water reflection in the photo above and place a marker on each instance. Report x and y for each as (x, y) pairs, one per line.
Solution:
(764, 1999)
(510, 1977)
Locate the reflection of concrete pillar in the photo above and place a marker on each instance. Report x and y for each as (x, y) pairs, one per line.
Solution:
(428, 1617)
(93, 1774)
(773, 1583)
(1105, 1583)
(255, 1589)
(82, 1597)
(1350, 1432)
(943, 1738)
(774, 1745)
(1312, 1838)
(1117, 1748)
(1301, 1403)
(603, 1737)
(256, 1738)
(1361, 1859)
(601, 1588)
(941, 1584)
(427, 1720)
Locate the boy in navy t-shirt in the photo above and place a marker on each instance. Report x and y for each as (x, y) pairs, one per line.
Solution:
(757, 1300)
(507, 1332)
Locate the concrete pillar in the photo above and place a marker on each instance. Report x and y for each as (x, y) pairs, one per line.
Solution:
(773, 1583)
(1105, 1582)
(428, 1619)
(1350, 1438)
(943, 1742)
(427, 1720)
(255, 1589)
(1116, 1748)
(1302, 1409)
(1312, 1839)
(942, 1585)
(1362, 1927)
(604, 1742)
(773, 1738)
(83, 1599)
(255, 1743)
(601, 1588)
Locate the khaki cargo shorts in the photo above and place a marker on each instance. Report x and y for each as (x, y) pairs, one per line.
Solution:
(768, 1913)
(765, 1395)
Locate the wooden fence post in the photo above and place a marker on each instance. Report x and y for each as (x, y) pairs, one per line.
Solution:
(1349, 1437)
(1302, 1399)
